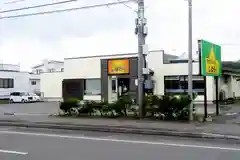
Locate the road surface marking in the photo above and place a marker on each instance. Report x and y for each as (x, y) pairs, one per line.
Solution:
(26, 114)
(13, 152)
(120, 140)
(231, 114)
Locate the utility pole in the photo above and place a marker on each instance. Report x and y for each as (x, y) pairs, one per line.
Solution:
(140, 28)
(190, 90)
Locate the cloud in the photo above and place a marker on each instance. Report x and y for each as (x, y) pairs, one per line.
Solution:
(110, 30)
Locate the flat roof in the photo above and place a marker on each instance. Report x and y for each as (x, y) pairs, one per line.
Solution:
(49, 62)
(233, 67)
(110, 55)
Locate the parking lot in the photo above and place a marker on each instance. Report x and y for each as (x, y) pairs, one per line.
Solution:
(39, 108)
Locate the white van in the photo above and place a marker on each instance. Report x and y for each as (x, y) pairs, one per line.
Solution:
(22, 97)
(35, 97)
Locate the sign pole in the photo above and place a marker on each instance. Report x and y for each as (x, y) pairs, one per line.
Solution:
(217, 101)
(211, 65)
(205, 98)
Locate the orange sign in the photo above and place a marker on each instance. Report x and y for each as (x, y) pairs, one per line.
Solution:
(120, 66)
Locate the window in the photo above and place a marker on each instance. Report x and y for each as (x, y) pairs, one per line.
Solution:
(51, 70)
(92, 87)
(15, 94)
(33, 83)
(38, 71)
(179, 84)
(6, 83)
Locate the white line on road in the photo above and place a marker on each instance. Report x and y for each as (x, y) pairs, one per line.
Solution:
(120, 140)
(13, 152)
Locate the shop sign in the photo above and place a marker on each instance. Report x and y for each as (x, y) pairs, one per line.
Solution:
(211, 64)
(119, 66)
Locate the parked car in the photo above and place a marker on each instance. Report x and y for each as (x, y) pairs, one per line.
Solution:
(35, 97)
(22, 97)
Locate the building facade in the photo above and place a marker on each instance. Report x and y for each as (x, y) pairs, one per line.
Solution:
(12, 79)
(105, 77)
(48, 66)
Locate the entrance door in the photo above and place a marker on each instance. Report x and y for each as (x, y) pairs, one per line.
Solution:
(114, 89)
(123, 86)
(119, 86)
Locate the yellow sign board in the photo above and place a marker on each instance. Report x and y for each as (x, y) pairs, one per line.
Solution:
(212, 64)
(118, 66)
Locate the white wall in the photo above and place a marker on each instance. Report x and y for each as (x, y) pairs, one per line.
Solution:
(51, 85)
(82, 68)
(50, 65)
(21, 82)
(232, 87)
(36, 78)
(36, 87)
(10, 67)
(155, 62)
(236, 86)
(88, 67)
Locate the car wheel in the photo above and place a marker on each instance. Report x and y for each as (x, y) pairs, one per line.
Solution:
(23, 101)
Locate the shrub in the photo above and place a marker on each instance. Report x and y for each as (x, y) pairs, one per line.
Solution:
(169, 107)
(151, 104)
(67, 105)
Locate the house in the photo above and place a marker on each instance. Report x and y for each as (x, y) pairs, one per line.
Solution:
(106, 77)
(48, 66)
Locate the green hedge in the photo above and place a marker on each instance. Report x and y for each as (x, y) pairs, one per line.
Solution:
(156, 107)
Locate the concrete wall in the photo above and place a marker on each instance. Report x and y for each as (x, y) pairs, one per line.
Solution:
(51, 85)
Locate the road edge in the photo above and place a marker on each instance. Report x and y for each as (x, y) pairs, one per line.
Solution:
(119, 129)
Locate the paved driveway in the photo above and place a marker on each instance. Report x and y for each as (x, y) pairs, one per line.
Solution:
(41, 108)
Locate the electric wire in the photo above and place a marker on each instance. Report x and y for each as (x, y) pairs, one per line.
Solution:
(67, 10)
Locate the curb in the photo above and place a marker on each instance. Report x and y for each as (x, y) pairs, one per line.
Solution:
(120, 129)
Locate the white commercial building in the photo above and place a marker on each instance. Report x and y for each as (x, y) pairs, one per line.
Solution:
(12, 79)
(106, 77)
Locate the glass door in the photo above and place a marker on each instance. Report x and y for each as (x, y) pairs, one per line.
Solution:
(114, 93)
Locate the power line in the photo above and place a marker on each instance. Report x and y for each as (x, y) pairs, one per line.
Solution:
(38, 6)
(67, 10)
(12, 2)
(125, 4)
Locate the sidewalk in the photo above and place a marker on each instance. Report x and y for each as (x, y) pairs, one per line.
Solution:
(192, 130)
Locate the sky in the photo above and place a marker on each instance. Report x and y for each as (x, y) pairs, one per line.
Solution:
(110, 30)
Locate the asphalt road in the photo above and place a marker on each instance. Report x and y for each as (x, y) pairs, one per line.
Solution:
(40, 108)
(26, 144)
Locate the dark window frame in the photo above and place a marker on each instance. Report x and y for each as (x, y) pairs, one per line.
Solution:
(85, 87)
(33, 82)
(182, 84)
(6, 83)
